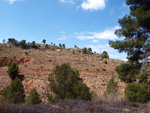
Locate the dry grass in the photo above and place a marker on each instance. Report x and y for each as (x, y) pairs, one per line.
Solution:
(78, 106)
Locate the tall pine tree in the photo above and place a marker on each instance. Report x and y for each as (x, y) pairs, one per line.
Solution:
(135, 27)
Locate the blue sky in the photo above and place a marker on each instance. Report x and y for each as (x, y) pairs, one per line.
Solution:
(85, 23)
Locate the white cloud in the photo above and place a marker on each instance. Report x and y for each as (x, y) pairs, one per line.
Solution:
(95, 41)
(94, 4)
(12, 1)
(113, 54)
(106, 34)
(62, 38)
(67, 1)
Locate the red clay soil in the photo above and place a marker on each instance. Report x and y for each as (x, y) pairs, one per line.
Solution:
(15, 59)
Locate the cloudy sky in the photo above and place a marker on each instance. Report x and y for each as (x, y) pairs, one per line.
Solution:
(85, 23)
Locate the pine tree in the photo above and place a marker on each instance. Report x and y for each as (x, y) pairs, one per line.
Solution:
(64, 85)
(63, 46)
(136, 30)
(34, 97)
(44, 41)
(112, 86)
(13, 70)
(15, 92)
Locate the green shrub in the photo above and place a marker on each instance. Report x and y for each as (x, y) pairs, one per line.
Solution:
(137, 92)
(60, 45)
(13, 70)
(63, 46)
(7, 63)
(84, 50)
(104, 69)
(33, 45)
(47, 46)
(82, 91)
(105, 62)
(127, 72)
(13, 41)
(105, 55)
(26, 53)
(143, 77)
(89, 50)
(65, 85)
(44, 41)
(34, 97)
(112, 86)
(15, 92)
(23, 44)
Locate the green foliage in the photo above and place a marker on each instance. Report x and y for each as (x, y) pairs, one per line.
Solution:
(44, 41)
(84, 50)
(60, 45)
(143, 78)
(65, 85)
(82, 91)
(33, 45)
(26, 53)
(63, 46)
(105, 55)
(105, 62)
(34, 97)
(137, 92)
(12, 41)
(112, 86)
(47, 46)
(22, 44)
(89, 50)
(7, 63)
(75, 46)
(136, 30)
(15, 92)
(127, 72)
(13, 70)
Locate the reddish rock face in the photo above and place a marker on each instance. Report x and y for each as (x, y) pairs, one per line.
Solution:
(15, 59)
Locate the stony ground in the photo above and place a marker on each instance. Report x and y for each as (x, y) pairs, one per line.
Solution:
(36, 65)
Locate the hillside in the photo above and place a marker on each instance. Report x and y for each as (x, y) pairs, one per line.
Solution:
(36, 64)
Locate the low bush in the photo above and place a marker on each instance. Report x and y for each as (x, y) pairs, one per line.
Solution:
(105, 55)
(111, 86)
(138, 92)
(7, 63)
(34, 97)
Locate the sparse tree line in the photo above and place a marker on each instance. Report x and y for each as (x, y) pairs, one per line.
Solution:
(24, 45)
